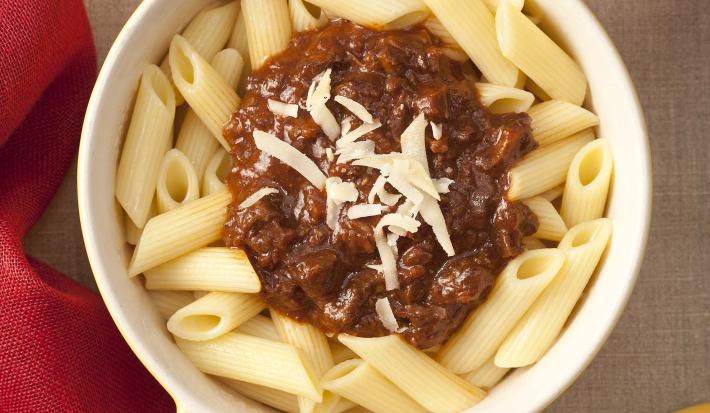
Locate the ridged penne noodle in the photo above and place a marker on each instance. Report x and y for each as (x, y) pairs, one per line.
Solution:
(259, 326)
(277, 399)
(312, 342)
(268, 27)
(198, 294)
(545, 167)
(536, 331)
(378, 14)
(239, 42)
(302, 18)
(211, 98)
(514, 291)
(253, 360)
(172, 234)
(493, 4)
(427, 382)
(215, 177)
(551, 226)
(206, 269)
(540, 58)
(132, 232)
(532, 243)
(554, 193)
(214, 315)
(473, 26)
(536, 90)
(503, 99)
(556, 119)
(358, 381)
(149, 136)
(340, 352)
(437, 29)
(587, 184)
(486, 376)
(177, 182)
(194, 139)
(168, 302)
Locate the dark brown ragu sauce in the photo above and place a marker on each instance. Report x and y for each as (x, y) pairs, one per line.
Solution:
(314, 274)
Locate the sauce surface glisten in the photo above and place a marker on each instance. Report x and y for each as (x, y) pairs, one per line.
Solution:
(319, 275)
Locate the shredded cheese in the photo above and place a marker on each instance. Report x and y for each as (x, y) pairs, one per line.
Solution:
(256, 196)
(378, 188)
(354, 107)
(408, 208)
(329, 154)
(385, 314)
(324, 118)
(283, 109)
(356, 134)
(436, 130)
(332, 212)
(356, 150)
(319, 91)
(289, 155)
(442, 185)
(340, 191)
(400, 221)
(389, 263)
(399, 179)
(376, 267)
(346, 124)
(433, 216)
(364, 210)
(414, 143)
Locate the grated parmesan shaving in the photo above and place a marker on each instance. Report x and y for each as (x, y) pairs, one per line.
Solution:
(356, 150)
(256, 196)
(389, 264)
(354, 107)
(364, 210)
(324, 118)
(392, 242)
(329, 154)
(340, 191)
(289, 155)
(433, 216)
(408, 208)
(376, 267)
(346, 124)
(414, 143)
(379, 189)
(283, 109)
(356, 134)
(385, 314)
(436, 130)
(401, 221)
(399, 179)
(319, 91)
(332, 212)
(415, 172)
(442, 185)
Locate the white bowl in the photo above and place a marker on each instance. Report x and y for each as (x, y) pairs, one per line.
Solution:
(145, 39)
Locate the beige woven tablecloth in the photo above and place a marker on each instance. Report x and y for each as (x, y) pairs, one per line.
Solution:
(658, 358)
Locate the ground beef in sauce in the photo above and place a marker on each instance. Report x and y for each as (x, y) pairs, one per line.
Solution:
(314, 274)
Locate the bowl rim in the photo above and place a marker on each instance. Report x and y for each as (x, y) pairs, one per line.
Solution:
(92, 247)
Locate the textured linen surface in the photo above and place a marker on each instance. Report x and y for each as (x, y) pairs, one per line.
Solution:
(59, 349)
(658, 357)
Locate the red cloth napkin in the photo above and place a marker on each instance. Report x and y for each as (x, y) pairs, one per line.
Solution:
(59, 349)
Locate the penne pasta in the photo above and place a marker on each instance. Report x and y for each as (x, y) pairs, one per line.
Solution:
(239, 42)
(587, 184)
(253, 360)
(493, 4)
(378, 14)
(286, 402)
(177, 182)
(195, 140)
(259, 326)
(554, 193)
(437, 29)
(536, 90)
(540, 58)
(172, 234)
(214, 315)
(132, 232)
(168, 302)
(206, 269)
(551, 227)
(486, 376)
(423, 379)
(149, 136)
(215, 177)
(504, 99)
(514, 291)
(340, 352)
(531, 243)
(358, 381)
(268, 27)
(473, 26)
(545, 167)
(556, 119)
(535, 332)
(211, 98)
(303, 19)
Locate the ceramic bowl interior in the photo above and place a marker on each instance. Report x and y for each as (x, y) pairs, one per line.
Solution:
(145, 39)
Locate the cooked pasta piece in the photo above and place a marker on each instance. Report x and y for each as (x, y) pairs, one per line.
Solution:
(554, 193)
(493, 4)
(132, 232)
(254, 360)
(486, 376)
(341, 352)
(587, 184)
(206, 269)
(437, 29)
(312, 342)
(215, 177)
(149, 137)
(194, 139)
(378, 14)
(172, 234)
(423, 379)
(540, 58)
(168, 302)
(536, 90)
(473, 26)
(514, 291)
(556, 119)
(546, 167)
(239, 42)
(177, 182)
(536, 331)
(277, 399)
(533, 243)
(214, 315)
(358, 381)
(551, 227)
(259, 326)
(211, 98)
(268, 26)
(503, 99)
(303, 19)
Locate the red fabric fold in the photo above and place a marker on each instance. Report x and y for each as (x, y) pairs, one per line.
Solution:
(59, 348)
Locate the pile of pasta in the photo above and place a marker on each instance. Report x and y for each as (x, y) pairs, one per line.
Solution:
(174, 197)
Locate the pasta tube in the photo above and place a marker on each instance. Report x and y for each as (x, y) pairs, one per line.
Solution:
(486, 376)
(556, 119)
(378, 14)
(177, 182)
(277, 399)
(503, 99)
(216, 173)
(533, 243)
(303, 19)
(514, 291)
(259, 326)
(551, 225)
(168, 302)
(554, 193)
(268, 27)
(535, 332)
(341, 352)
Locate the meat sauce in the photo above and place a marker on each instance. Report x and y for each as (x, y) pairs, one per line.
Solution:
(318, 275)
